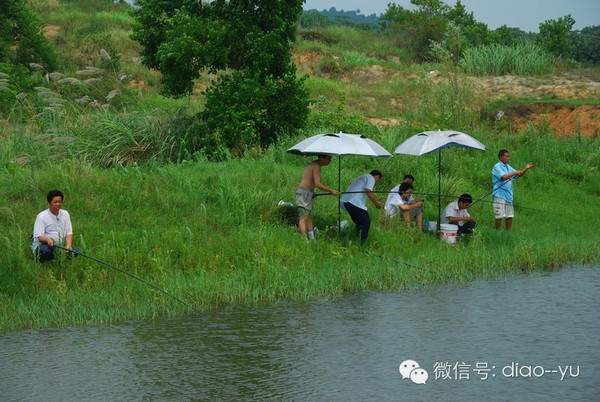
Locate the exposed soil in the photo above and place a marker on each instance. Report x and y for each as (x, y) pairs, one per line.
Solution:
(572, 85)
(50, 31)
(562, 119)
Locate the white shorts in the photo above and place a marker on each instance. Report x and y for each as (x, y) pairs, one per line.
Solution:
(503, 209)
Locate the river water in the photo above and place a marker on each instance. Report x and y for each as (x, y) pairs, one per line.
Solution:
(532, 336)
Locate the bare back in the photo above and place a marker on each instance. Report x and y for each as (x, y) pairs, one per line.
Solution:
(311, 175)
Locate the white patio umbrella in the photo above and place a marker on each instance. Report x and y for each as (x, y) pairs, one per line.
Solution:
(337, 145)
(430, 141)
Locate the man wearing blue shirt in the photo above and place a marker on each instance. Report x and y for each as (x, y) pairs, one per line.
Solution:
(502, 178)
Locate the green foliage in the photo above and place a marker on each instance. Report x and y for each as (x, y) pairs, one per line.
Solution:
(21, 38)
(134, 138)
(555, 34)
(182, 38)
(436, 29)
(526, 59)
(151, 23)
(426, 23)
(353, 59)
(451, 47)
(215, 238)
(586, 46)
(44, 6)
(508, 36)
(476, 33)
(337, 119)
(240, 109)
(262, 99)
(313, 19)
(16, 85)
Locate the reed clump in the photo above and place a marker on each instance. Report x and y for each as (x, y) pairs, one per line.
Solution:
(521, 59)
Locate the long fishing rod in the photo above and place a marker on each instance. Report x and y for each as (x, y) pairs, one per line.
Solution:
(493, 189)
(129, 274)
(388, 192)
(480, 199)
(396, 261)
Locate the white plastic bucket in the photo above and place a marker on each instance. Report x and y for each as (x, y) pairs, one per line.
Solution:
(448, 233)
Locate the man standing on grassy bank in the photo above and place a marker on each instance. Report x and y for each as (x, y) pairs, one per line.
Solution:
(354, 201)
(305, 196)
(502, 178)
(52, 226)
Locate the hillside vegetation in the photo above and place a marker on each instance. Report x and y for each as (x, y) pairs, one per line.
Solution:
(210, 230)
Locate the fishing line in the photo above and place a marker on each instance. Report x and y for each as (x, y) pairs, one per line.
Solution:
(396, 261)
(493, 189)
(480, 199)
(129, 274)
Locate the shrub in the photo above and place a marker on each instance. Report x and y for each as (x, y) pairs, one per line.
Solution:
(16, 83)
(244, 110)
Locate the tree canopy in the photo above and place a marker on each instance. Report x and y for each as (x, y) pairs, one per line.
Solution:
(554, 35)
(21, 37)
(257, 97)
(183, 37)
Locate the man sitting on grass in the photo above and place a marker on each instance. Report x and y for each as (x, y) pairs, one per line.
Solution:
(52, 227)
(402, 200)
(456, 214)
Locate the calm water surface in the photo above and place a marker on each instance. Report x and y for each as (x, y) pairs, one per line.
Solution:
(535, 336)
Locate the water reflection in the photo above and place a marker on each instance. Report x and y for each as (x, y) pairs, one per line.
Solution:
(347, 349)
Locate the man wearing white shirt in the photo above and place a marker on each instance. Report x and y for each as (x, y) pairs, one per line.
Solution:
(354, 201)
(52, 227)
(401, 199)
(456, 214)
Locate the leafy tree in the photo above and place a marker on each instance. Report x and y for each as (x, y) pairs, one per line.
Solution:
(183, 37)
(21, 38)
(421, 26)
(476, 33)
(313, 19)
(240, 111)
(510, 36)
(554, 35)
(250, 39)
(451, 47)
(586, 45)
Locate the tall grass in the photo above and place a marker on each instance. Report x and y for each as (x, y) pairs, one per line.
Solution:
(523, 59)
(211, 233)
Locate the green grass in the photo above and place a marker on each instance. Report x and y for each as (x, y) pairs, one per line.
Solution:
(212, 234)
(493, 60)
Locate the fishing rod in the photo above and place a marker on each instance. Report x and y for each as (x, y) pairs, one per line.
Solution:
(480, 199)
(387, 192)
(493, 189)
(396, 261)
(129, 274)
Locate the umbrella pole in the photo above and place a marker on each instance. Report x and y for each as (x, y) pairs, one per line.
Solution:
(439, 188)
(340, 193)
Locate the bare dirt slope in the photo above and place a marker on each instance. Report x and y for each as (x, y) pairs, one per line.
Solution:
(572, 106)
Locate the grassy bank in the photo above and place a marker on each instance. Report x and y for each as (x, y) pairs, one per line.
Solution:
(212, 234)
